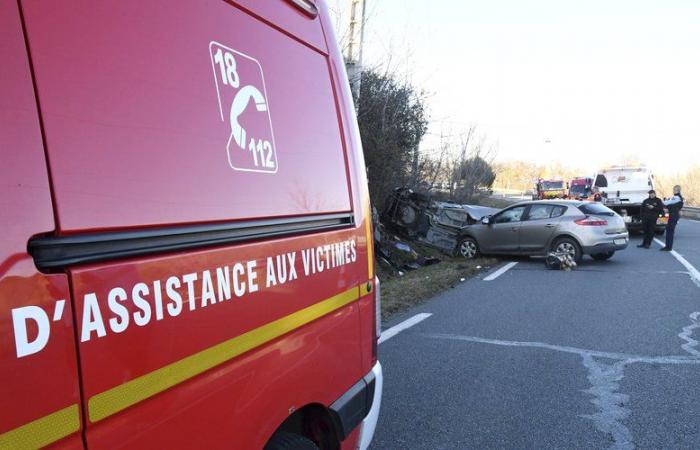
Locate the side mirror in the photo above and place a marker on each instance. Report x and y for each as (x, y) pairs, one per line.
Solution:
(486, 220)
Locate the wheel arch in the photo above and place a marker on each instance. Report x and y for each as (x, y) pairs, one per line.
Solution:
(556, 237)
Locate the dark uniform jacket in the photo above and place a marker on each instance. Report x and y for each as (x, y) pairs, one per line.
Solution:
(674, 205)
(652, 208)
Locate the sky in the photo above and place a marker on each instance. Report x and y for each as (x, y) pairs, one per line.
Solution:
(584, 83)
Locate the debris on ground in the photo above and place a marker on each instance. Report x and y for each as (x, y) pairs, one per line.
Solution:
(415, 241)
(559, 261)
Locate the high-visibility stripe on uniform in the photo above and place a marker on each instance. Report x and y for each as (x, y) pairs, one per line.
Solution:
(43, 431)
(134, 391)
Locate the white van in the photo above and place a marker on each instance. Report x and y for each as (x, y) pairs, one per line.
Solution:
(623, 189)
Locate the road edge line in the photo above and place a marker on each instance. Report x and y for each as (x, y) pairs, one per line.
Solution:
(501, 271)
(692, 271)
(406, 324)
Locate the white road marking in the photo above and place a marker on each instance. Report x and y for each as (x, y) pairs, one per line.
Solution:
(604, 376)
(500, 271)
(687, 334)
(692, 271)
(406, 324)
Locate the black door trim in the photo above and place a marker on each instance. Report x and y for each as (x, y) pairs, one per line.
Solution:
(59, 252)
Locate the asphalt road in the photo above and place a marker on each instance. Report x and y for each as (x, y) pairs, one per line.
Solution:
(601, 357)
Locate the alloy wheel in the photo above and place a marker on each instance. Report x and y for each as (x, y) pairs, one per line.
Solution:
(467, 249)
(567, 248)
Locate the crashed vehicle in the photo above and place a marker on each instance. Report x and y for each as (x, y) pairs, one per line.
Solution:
(437, 224)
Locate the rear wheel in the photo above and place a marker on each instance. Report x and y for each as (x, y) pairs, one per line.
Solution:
(603, 256)
(569, 247)
(468, 248)
(290, 441)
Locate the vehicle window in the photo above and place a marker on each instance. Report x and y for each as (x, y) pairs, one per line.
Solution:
(553, 185)
(601, 181)
(557, 211)
(577, 189)
(597, 209)
(539, 212)
(510, 215)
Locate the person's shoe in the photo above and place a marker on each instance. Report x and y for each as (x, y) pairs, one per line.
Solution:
(665, 249)
(642, 246)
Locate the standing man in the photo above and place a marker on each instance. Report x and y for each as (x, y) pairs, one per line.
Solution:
(674, 205)
(652, 208)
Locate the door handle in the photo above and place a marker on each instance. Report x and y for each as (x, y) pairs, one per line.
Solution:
(514, 229)
(550, 225)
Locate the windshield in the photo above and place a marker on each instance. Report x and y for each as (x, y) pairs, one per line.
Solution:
(577, 189)
(550, 185)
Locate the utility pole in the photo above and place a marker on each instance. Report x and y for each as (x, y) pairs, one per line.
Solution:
(353, 53)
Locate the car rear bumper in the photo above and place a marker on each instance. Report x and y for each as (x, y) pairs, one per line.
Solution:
(360, 406)
(605, 247)
(369, 423)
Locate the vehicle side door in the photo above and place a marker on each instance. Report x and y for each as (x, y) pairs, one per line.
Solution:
(502, 233)
(538, 226)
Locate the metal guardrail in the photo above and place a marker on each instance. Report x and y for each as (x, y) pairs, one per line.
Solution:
(691, 212)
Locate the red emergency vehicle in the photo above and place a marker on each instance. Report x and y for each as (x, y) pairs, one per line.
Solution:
(186, 257)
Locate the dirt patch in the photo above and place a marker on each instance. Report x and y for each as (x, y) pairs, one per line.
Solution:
(401, 292)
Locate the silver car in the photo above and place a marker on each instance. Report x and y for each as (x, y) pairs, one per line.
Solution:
(537, 227)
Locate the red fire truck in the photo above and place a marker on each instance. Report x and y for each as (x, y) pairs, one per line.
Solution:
(186, 258)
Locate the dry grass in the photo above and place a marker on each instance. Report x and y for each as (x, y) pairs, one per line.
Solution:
(493, 202)
(401, 292)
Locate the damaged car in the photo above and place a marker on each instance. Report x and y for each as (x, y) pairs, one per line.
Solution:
(437, 224)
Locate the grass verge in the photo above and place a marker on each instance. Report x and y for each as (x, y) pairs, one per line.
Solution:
(401, 292)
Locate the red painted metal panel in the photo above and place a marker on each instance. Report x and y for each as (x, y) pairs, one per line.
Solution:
(45, 380)
(243, 400)
(138, 117)
(293, 20)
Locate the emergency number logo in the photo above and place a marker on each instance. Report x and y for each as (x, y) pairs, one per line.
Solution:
(243, 106)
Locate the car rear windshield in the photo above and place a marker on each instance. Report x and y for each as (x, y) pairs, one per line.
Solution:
(596, 209)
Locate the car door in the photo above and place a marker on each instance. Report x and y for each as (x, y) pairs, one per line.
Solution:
(501, 236)
(538, 226)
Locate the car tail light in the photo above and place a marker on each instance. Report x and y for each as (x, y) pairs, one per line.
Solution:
(591, 222)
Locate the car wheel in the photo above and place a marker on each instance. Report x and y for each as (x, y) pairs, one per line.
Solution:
(603, 256)
(290, 441)
(408, 215)
(568, 246)
(468, 248)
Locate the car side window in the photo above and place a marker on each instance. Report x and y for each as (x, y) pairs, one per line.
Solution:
(557, 211)
(539, 212)
(510, 215)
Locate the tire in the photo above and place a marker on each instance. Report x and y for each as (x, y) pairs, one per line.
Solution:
(408, 215)
(290, 441)
(603, 256)
(570, 246)
(467, 248)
